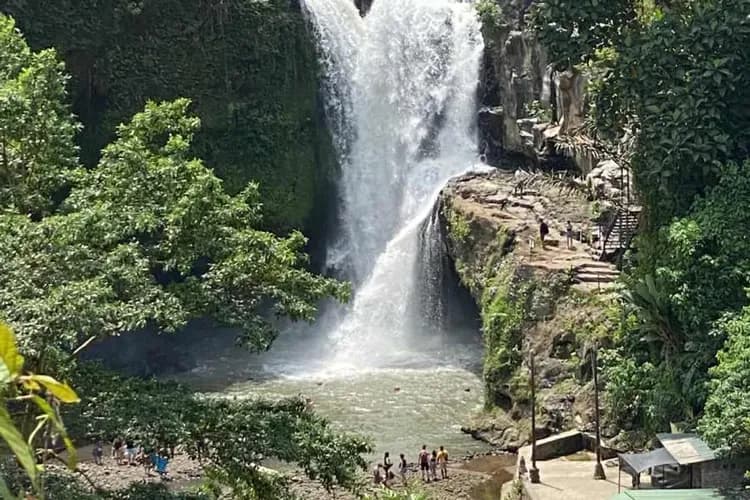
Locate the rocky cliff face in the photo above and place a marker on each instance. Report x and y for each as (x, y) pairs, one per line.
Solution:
(551, 301)
(525, 105)
(249, 67)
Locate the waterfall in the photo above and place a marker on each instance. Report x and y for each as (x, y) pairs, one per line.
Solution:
(400, 88)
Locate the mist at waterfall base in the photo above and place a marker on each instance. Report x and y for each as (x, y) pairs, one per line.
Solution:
(401, 362)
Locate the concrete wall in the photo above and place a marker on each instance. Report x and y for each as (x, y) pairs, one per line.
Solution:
(559, 445)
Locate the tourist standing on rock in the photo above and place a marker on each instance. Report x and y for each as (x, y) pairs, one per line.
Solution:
(424, 463)
(543, 231)
(569, 235)
(117, 450)
(433, 465)
(403, 468)
(442, 459)
(98, 452)
(130, 450)
(387, 464)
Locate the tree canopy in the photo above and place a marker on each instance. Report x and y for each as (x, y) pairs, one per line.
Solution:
(148, 236)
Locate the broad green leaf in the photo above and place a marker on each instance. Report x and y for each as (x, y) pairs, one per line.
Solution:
(23, 452)
(60, 390)
(8, 351)
(57, 423)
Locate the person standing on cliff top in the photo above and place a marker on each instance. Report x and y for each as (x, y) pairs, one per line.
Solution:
(569, 234)
(543, 231)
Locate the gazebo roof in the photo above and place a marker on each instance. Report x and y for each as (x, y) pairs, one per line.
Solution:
(635, 463)
(686, 448)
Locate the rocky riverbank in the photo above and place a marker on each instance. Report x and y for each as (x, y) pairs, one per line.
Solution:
(476, 477)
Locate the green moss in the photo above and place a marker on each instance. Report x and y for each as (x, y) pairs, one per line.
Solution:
(458, 226)
(598, 317)
(519, 387)
(249, 67)
(503, 311)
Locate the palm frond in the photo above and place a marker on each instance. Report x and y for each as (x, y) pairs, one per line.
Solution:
(566, 184)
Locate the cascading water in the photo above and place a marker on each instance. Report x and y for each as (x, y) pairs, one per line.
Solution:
(400, 87)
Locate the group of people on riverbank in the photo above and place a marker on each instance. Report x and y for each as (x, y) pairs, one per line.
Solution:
(428, 465)
(125, 451)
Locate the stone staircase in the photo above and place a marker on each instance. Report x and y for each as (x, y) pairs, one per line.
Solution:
(619, 235)
(595, 276)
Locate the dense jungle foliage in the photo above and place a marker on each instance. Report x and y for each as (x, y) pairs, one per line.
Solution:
(248, 67)
(147, 236)
(669, 81)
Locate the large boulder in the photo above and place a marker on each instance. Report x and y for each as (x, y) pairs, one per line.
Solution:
(606, 180)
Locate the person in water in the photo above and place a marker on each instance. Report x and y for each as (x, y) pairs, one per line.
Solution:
(424, 463)
(403, 468)
(442, 459)
(433, 465)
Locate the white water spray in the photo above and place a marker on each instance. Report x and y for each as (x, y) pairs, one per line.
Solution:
(400, 91)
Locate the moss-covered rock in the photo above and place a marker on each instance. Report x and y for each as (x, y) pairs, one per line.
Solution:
(249, 67)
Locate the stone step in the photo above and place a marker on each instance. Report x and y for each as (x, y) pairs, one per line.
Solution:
(595, 271)
(595, 278)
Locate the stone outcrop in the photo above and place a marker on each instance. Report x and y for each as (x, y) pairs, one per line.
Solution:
(571, 86)
(530, 298)
(525, 104)
(514, 77)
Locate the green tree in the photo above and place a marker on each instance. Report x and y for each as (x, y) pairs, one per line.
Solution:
(677, 86)
(231, 438)
(150, 236)
(726, 421)
(703, 275)
(573, 31)
(37, 151)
